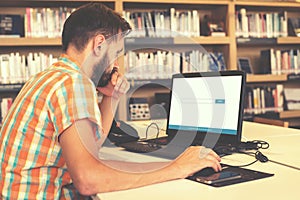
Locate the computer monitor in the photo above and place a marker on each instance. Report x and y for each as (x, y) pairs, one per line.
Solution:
(207, 108)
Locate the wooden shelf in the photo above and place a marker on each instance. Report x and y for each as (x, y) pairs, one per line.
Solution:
(141, 41)
(288, 40)
(54, 1)
(30, 41)
(136, 41)
(289, 114)
(274, 41)
(289, 118)
(50, 3)
(208, 2)
(6, 88)
(257, 78)
(259, 3)
(256, 41)
(202, 40)
(275, 122)
(140, 83)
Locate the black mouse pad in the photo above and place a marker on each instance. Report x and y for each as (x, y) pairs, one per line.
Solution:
(246, 175)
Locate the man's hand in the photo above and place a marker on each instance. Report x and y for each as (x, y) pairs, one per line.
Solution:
(116, 87)
(196, 158)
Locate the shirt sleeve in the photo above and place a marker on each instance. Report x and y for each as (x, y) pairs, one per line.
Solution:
(75, 99)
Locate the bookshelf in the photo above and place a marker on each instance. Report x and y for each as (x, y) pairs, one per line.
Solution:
(278, 41)
(24, 45)
(17, 42)
(230, 45)
(265, 78)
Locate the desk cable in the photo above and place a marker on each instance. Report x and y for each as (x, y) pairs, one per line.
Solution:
(259, 144)
(256, 145)
(262, 158)
(243, 148)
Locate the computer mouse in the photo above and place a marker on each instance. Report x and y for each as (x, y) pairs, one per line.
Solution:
(121, 132)
(205, 172)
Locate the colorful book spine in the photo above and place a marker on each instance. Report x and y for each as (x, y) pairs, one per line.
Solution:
(261, 24)
(45, 22)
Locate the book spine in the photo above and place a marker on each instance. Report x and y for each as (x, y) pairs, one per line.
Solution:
(244, 20)
(279, 97)
(29, 21)
(238, 25)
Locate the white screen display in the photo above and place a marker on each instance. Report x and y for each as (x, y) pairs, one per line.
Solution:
(206, 104)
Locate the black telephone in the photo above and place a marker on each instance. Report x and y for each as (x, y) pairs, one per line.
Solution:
(106, 77)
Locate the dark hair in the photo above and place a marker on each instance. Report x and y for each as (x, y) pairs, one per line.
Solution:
(89, 20)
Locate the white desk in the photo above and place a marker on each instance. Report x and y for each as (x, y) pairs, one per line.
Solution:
(284, 147)
(284, 142)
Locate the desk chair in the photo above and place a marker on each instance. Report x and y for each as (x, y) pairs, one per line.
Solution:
(275, 122)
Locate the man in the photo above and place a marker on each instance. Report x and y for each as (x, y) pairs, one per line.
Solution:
(46, 150)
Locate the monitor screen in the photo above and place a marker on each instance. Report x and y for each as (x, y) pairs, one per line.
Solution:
(206, 104)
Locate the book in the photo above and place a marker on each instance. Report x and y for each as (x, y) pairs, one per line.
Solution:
(11, 26)
(279, 97)
(244, 23)
(294, 27)
(4, 69)
(292, 96)
(283, 24)
(5, 104)
(196, 23)
(267, 62)
(261, 99)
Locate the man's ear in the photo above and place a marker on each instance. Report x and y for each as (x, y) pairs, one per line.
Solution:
(97, 42)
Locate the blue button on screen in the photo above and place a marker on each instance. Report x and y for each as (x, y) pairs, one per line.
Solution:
(220, 101)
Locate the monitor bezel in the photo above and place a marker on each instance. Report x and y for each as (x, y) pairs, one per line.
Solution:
(199, 136)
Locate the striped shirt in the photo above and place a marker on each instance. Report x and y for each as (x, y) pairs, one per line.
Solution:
(32, 166)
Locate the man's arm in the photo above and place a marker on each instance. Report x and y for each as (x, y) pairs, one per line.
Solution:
(117, 86)
(90, 176)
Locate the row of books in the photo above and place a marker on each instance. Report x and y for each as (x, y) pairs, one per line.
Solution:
(36, 22)
(261, 24)
(5, 106)
(168, 23)
(162, 64)
(45, 22)
(259, 100)
(152, 65)
(199, 61)
(280, 61)
(16, 68)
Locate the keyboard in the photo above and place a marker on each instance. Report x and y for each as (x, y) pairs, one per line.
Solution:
(140, 146)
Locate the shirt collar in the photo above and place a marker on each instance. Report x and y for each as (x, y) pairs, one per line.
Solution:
(69, 61)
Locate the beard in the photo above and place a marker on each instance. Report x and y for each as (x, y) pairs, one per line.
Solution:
(101, 72)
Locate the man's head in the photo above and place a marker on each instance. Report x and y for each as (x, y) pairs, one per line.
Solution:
(88, 21)
(104, 29)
